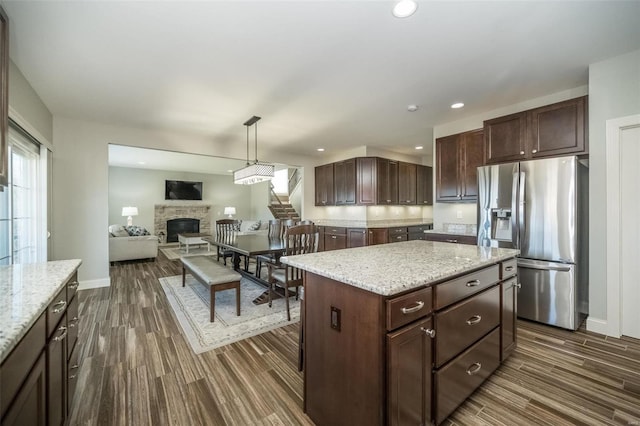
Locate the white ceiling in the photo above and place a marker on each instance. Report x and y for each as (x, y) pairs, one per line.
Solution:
(335, 74)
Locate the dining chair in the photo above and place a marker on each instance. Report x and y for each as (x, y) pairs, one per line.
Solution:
(274, 231)
(225, 229)
(300, 239)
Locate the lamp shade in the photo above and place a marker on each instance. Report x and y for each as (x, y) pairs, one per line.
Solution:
(230, 211)
(129, 211)
(253, 173)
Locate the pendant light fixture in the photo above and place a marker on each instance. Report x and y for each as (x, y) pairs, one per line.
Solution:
(256, 172)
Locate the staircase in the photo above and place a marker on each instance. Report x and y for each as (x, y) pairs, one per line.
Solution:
(281, 208)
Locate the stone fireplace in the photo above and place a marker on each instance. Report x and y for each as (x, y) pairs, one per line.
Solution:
(181, 226)
(169, 212)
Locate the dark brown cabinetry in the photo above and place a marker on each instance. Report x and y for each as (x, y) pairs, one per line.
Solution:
(345, 182)
(451, 238)
(407, 183)
(325, 195)
(4, 98)
(509, 302)
(335, 238)
(356, 237)
(397, 234)
(552, 130)
(424, 185)
(366, 180)
(457, 159)
(377, 236)
(417, 232)
(386, 181)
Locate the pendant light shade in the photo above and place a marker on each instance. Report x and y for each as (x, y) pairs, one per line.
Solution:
(256, 172)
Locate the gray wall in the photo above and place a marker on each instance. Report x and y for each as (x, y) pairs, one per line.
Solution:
(27, 109)
(614, 91)
(144, 189)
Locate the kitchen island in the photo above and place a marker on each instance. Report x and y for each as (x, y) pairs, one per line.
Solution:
(403, 333)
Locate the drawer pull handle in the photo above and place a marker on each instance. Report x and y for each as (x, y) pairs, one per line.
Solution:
(74, 285)
(59, 307)
(334, 237)
(429, 331)
(61, 337)
(474, 320)
(474, 368)
(74, 366)
(71, 377)
(73, 322)
(508, 268)
(419, 305)
(451, 241)
(519, 285)
(473, 283)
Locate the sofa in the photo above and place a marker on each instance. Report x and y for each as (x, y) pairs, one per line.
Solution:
(131, 243)
(251, 226)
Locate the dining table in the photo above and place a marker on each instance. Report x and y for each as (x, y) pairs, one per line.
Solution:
(249, 245)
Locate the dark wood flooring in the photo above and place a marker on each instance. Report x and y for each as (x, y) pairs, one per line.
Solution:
(137, 369)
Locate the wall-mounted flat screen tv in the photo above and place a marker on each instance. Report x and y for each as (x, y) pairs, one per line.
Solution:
(182, 190)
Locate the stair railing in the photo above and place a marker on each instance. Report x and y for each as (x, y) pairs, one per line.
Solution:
(294, 179)
(274, 195)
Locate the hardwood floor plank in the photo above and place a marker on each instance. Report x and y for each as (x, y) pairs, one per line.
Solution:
(138, 369)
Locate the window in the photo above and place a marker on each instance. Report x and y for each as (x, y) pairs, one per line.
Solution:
(22, 223)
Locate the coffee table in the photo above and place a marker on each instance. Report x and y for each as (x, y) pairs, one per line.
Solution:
(191, 239)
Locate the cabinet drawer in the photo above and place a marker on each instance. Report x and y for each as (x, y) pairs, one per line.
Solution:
(419, 228)
(405, 309)
(72, 325)
(396, 231)
(18, 364)
(416, 236)
(466, 322)
(56, 310)
(508, 269)
(335, 230)
(72, 377)
(397, 238)
(467, 285)
(458, 379)
(72, 286)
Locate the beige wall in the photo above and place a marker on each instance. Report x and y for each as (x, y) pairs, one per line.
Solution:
(27, 109)
(614, 91)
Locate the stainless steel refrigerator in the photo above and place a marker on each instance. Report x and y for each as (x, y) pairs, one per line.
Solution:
(541, 208)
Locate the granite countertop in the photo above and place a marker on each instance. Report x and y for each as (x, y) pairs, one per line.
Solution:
(376, 223)
(25, 292)
(388, 269)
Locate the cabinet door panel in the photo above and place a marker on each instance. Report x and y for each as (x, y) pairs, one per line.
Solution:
(29, 406)
(345, 182)
(407, 183)
(356, 237)
(472, 157)
(366, 180)
(378, 236)
(324, 185)
(509, 317)
(334, 242)
(409, 375)
(447, 167)
(57, 376)
(505, 138)
(558, 129)
(424, 185)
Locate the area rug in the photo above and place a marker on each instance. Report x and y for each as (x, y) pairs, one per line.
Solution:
(190, 305)
(174, 253)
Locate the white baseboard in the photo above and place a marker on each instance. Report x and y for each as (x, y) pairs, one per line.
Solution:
(88, 284)
(597, 325)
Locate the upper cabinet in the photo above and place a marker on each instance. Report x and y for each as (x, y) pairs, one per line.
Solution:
(344, 173)
(424, 185)
(407, 175)
(4, 98)
(370, 181)
(324, 185)
(457, 159)
(552, 130)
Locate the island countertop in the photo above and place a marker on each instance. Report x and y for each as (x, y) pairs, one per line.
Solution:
(389, 269)
(25, 292)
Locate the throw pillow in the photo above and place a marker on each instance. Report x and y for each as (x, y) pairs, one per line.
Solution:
(118, 231)
(236, 227)
(255, 226)
(136, 231)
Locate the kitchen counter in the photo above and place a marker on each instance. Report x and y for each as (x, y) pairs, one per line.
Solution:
(389, 269)
(25, 292)
(377, 223)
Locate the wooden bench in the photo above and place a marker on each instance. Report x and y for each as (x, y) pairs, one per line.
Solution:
(210, 273)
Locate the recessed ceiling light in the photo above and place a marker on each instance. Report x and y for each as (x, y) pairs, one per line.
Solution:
(404, 8)
(320, 150)
(419, 147)
(412, 108)
(141, 163)
(229, 171)
(457, 105)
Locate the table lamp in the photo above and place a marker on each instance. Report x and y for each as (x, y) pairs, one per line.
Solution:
(129, 211)
(230, 211)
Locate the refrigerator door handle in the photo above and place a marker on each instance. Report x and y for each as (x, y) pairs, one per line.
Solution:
(546, 267)
(514, 212)
(521, 216)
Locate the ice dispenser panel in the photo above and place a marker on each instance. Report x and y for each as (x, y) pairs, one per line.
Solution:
(501, 224)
